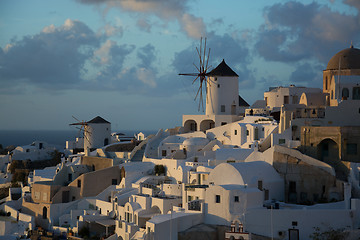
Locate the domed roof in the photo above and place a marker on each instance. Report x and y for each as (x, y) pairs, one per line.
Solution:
(198, 141)
(348, 58)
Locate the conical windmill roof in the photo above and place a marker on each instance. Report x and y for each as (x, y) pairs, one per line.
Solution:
(222, 70)
(98, 119)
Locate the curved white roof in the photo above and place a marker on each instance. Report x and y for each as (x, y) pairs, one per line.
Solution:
(198, 141)
(244, 173)
(173, 139)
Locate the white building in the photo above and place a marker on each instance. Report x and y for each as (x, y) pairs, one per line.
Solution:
(36, 151)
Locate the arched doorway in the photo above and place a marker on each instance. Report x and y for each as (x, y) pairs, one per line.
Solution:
(190, 126)
(328, 150)
(44, 212)
(206, 124)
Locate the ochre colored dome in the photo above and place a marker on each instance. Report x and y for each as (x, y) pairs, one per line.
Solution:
(348, 58)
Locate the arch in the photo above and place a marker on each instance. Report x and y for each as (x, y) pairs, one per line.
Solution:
(327, 149)
(190, 126)
(44, 213)
(206, 124)
(155, 210)
(345, 93)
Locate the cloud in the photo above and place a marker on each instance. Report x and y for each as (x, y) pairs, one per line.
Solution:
(144, 25)
(307, 73)
(55, 57)
(72, 56)
(167, 10)
(193, 26)
(294, 31)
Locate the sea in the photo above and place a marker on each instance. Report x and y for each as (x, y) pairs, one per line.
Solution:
(54, 137)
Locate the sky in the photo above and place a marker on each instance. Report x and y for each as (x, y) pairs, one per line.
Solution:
(120, 59)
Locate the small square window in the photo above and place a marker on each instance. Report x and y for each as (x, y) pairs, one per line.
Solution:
(217, 198)
(114, 181)
(351, 148)
(163, 153)
(222, 108)
(236, 199)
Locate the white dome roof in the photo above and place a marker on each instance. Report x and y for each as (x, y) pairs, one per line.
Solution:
(198, 141)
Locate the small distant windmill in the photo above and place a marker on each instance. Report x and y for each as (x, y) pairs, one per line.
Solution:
(82, 129)
(202, 71)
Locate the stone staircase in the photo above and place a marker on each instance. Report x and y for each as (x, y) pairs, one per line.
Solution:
(138, 156)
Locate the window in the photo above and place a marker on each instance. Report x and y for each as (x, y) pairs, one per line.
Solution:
(236, 199)
(235, 132)
(292, 187)
(260, 185)
(303, 196)
(266, 196)
(45, 196)
(351, 148)
(70, 177)
(163, 153)
(326, 83)
(286, 99)
(114, 181)
(295, 100)
(223, 123)
(222, 108)
(345, 93)
(37, 195)
(217, 198)
(218, 85)
(189, 198)
(247, 132)
(281, 141)
(356, 93)
(78, 183)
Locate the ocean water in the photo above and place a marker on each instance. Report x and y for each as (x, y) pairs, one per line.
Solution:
(55, 137)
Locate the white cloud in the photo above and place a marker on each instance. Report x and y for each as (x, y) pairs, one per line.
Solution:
(193, 26)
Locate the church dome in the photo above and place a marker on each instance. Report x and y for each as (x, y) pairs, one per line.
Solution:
(348, 58)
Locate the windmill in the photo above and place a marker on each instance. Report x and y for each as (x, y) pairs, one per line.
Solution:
(82, 128)
(202, 71)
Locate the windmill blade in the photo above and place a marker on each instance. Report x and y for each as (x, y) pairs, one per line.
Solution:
(76, 119)
(201, 100)
(199, 54)
(195, 79)
(188, 74)
(204, 55)
(196, 67)
(207, 60)
(198, 92)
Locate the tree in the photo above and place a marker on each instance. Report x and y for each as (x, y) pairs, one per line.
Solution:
(159, 169)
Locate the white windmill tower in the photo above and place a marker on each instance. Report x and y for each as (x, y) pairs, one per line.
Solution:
(222, 85)
(97, 133)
